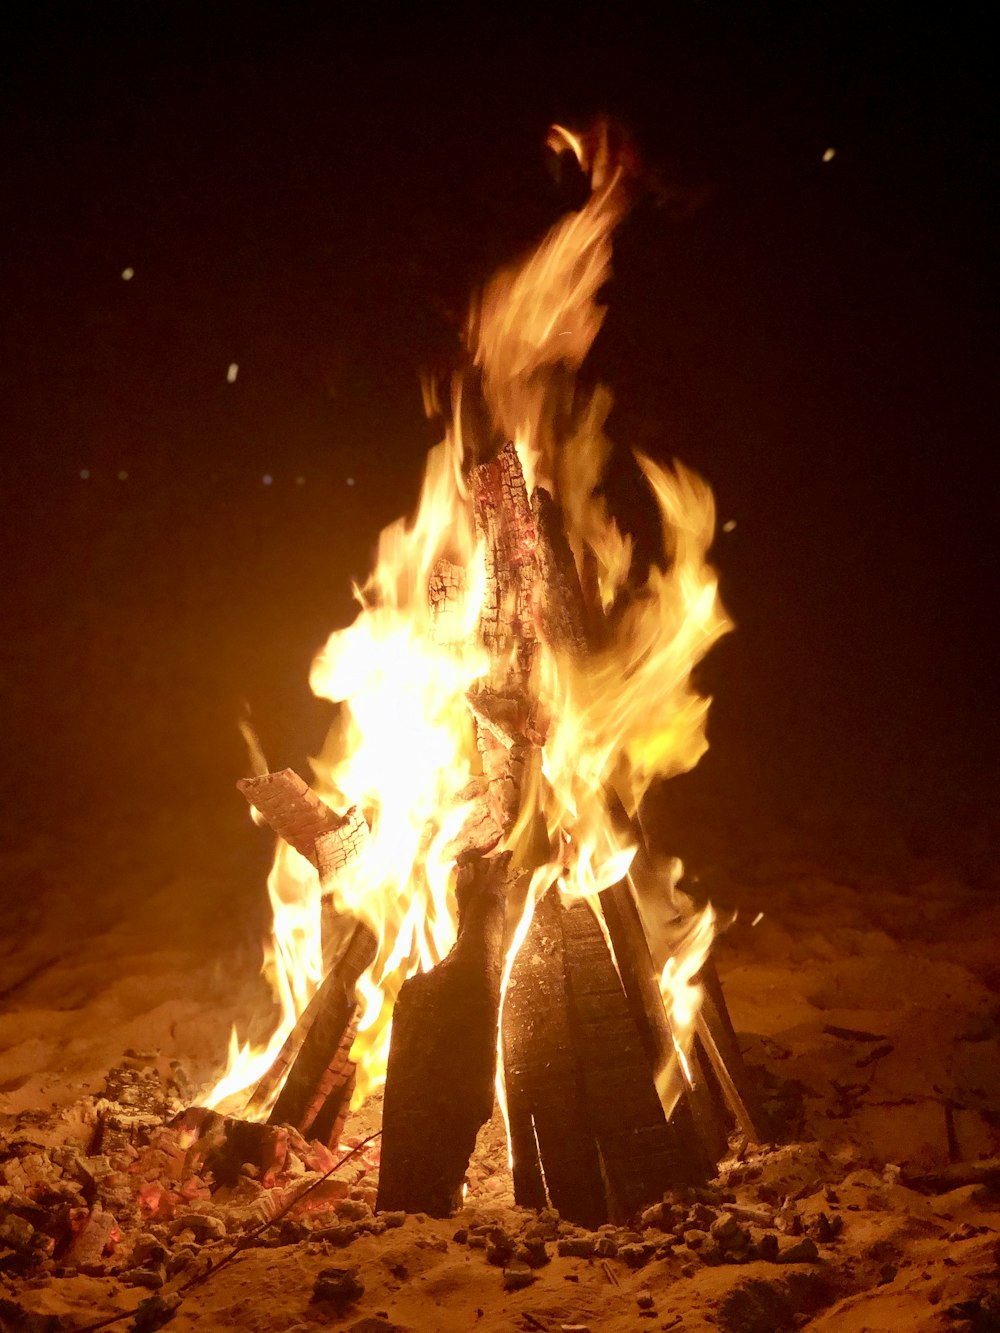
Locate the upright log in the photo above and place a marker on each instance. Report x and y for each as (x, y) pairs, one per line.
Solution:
(550, 1127)
(641, 1152)
(442, 1055)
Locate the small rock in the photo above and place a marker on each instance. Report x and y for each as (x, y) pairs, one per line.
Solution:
(533, 1253)
(339, 1285)
(517, 1276)
(153, 1278)
(694, 1239)
(390, 1220)
(788, 1221)
(821, 1229)
(724, 1229)
(352, 1210)
(154, 1312)
(702, 1216)
(204, 1225)
(461, 1236)
(606, 1247)
(804, 1251)
(653, 1217)
(637, 1255)
(644, 1300)
(767, 1247)
(499, 1248)
(576, 1247)
(16, 1232)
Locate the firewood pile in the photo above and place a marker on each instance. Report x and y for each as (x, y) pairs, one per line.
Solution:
(584, 1034)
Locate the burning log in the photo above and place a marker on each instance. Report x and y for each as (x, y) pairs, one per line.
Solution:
(587, 1126)
(543, 1080)
(442, 1057)
(715, 1032)
(314, 1060)
(290, 806)
(321, 1069)
(693, 1119)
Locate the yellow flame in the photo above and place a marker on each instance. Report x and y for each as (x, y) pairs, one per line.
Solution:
(618, 717)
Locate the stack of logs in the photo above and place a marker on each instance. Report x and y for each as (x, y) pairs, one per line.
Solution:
(585, 1042)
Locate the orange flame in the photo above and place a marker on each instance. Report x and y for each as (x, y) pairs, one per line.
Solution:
(619, 717)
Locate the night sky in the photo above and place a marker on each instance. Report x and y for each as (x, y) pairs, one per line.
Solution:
(311, 195)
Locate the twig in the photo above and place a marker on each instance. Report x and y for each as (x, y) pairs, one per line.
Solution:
(610, 1273)
(243, 1241)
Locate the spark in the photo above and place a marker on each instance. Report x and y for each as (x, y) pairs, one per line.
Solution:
(128, 274)
(232, 372)
(267, 479)
(729, 525)
(759, 917)
(829, 155)
(349, 481)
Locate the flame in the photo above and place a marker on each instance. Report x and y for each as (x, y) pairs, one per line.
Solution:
(615, 719)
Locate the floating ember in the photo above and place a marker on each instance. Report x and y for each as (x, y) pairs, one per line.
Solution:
(463, 893)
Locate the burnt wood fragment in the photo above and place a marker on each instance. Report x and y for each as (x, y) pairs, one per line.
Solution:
(317, 1069)
(442, 1055)
(546, 1094)
(715, 1031)
(695, 1129)
(289, 805)
(641, 1153)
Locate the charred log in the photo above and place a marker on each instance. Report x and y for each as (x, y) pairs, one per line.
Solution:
(546, 1096)
(442, 1055)
(290, 806)
(641, 1153)
(320, 1065)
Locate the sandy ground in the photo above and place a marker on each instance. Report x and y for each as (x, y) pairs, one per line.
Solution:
(867, 995)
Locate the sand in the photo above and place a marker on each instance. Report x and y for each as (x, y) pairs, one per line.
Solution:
(867, 996)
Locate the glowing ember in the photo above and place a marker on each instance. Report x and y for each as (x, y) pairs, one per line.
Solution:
(608, 717)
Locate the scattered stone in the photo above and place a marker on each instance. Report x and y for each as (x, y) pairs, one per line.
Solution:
(341, 1286)
(390, 1220)
(517, 1276)
(205, 1226)
(767, 1247)
(725, 1229)
(606, 1247)
(654, 1217)
(352, 1210)
(822, 1229)
(694, 1238)
(576, 1247)
(461, 1236)
(16, 1232)
(636, 1255)
(533, 1253)
(499, 1248)
(804, 1251)
(154, 1312)
(153, 1278)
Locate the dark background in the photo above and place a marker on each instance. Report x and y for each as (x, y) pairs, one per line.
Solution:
(312, 194)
